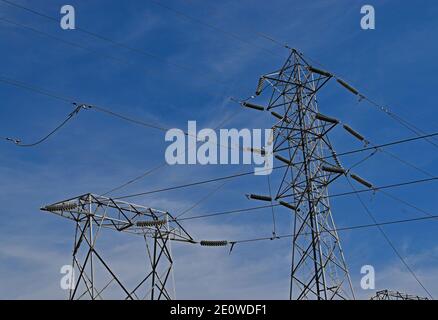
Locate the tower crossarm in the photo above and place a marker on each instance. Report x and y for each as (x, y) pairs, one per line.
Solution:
(120, 216)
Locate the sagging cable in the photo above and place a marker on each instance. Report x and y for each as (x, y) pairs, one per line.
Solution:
(78, 107)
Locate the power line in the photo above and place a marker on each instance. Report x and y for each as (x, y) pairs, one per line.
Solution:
(131, 181)
(362, 226)
(386, 110)
(392, 143)
(394, 156)
(214, 214)
(192, 184)
(164, 164)
(395, 185)
(204, 198)
(388, 240)
(373, 147)
(210, 26)
(135, 121)
(72, 101)
(336, 195)
(283, 45)
(150, 125)
(143, 175)
(123, 117)
(374, 224)
(356, 92)
(35, 89)
(277, 167)
(18, 142)
(187, 185)
(102, 109)
(411, 127)
(142, 123)
(405, 123)
(114, 114)
(138, 122)
(129, 119)
(272, 208)
(70, 43)
(404, 202)
(109, 40)
(211, 193)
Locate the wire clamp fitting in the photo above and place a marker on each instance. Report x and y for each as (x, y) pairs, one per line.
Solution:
(13, 140)
(80, 106)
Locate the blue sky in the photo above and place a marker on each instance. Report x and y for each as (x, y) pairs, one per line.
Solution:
(394, 64)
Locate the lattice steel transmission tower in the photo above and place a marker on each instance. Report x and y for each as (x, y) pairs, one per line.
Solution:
(395, 295)
(301, 144)
(93, 274)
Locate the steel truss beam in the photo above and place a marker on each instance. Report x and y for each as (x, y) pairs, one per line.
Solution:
(94, 276)
(395, 295)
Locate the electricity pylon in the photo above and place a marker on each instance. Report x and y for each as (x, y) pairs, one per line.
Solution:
(395, 295)
(93, 274)
(301, 143)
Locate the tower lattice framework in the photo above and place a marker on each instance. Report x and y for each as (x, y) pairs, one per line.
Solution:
(94, 276)
(395, 295)
(301, 144)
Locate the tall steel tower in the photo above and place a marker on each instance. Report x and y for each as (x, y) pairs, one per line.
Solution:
(94, 277)
(301, 144)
